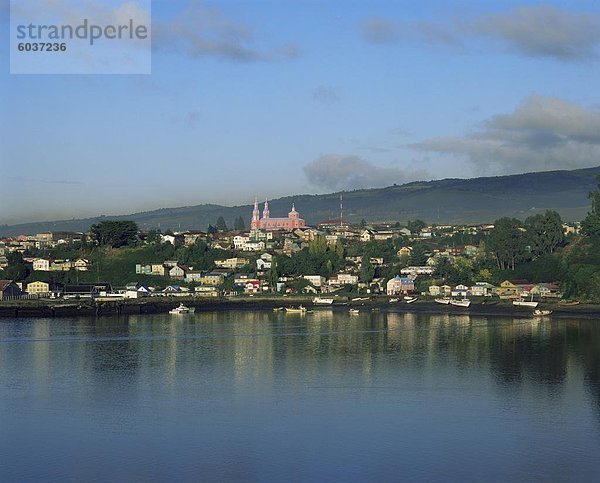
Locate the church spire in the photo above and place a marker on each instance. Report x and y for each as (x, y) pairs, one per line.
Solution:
(255, 215)
(266, 210)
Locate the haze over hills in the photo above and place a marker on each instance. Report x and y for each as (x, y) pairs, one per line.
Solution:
(476, 200)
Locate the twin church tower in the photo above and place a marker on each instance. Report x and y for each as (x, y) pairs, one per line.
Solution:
(267, 223)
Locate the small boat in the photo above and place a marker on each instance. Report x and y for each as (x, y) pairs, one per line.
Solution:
(296, 310)
(541, 313)
(393, 301)
(461, 302)
(182, 309)
(322, 301)
(568, 303)
(356, 299)
(354, 311)
(278, 309)
(444, 301)
(410, 300)
(525, 303)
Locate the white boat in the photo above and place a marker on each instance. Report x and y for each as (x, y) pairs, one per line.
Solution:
(541, 313)
(296, 310)
(356, 299)
(393, 301)
(445, 301)
(525, 303)
(461, 302)
(354, 311)
(410, 300)
(182, 309)
(322, 301)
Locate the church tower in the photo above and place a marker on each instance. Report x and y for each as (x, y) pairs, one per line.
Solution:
(266, 210)
(255, 223)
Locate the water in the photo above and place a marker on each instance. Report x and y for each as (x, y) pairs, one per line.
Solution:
(324, 396)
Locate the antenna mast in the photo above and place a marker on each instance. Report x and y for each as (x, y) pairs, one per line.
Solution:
(341, 210)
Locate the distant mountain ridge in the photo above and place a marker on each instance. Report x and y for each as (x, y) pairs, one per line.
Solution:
(474, 200)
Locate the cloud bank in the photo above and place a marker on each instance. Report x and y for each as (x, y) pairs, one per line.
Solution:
(346, 172)
(534, 31)
(544, 133)
(201, 31)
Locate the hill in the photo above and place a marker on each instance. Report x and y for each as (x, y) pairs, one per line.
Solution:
(475, 200)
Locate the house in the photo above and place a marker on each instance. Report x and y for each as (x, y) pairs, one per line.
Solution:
(512, 288)
(41, 264)
(9, 289)
(383, 235)
(461, 291)
(342, 279)
(252, 286)
(366, 235)
(3, 262)
(143, 269)
(212, 278)
(158, 269)
(414, 271)
(483, 289)
(376, 261)
(81, 291)
(81, 265)
(233, 263)
(262, 264)
(435, 290)
(194, 276)
(206, 291)
(38, 288)
(404, 252)
(173, 290)
(315, 280)
(547, 290)
(399, 285)
(446, 290)
(177, 272)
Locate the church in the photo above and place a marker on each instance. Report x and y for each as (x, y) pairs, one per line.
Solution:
(267, 223)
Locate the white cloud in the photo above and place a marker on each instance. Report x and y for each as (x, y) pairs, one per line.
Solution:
(544, 133)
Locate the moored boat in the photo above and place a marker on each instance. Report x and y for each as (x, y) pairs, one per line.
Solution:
(444, 301)
(460, 302)
(393, 301)
(541, 313)
(525, 303)
(568, 303)
(410, 300)
(182, 309)
(296, 310)
(354, 311)
(322, 301)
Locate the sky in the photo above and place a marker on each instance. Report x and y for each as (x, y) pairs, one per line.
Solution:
(271, 98)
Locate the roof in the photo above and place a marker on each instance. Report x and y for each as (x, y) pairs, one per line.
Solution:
(4, 284)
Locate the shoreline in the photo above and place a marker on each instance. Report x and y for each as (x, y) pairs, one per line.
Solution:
(88, 308)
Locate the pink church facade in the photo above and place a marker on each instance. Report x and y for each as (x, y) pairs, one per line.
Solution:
(267, 223)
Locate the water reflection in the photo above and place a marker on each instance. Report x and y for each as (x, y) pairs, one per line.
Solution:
(241, 373)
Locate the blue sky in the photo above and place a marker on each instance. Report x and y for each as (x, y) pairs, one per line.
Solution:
(274, 98)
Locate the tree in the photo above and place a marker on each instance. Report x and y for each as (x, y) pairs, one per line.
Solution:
(239, 224)
(545, 232)
(416, 226)
(590, 226)
(418, 255)
(507, 241)
(211, 229)
(273, 274)
(115, 233)
(16, 270)
(367, 271)
(221, 225)
(363, 223)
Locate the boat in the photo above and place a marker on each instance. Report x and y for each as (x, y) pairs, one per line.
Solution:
(445, 301)
(278, 309)
(460, 302)
(354, 311)
(525, 303)
(182, 309)
(296, 310)
(568, 303)
(541, 313)
(393, 301)
(322, 301)
(357, 299)
(410, 300)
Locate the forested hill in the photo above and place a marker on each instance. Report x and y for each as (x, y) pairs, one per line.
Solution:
(476, 200)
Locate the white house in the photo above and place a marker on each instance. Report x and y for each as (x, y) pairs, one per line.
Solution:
(316, 280)
(399, 285)
(41, 264)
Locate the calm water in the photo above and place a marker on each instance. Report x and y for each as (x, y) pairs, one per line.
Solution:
(265, 396)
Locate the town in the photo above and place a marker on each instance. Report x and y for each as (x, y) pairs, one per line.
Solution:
(283, 256)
